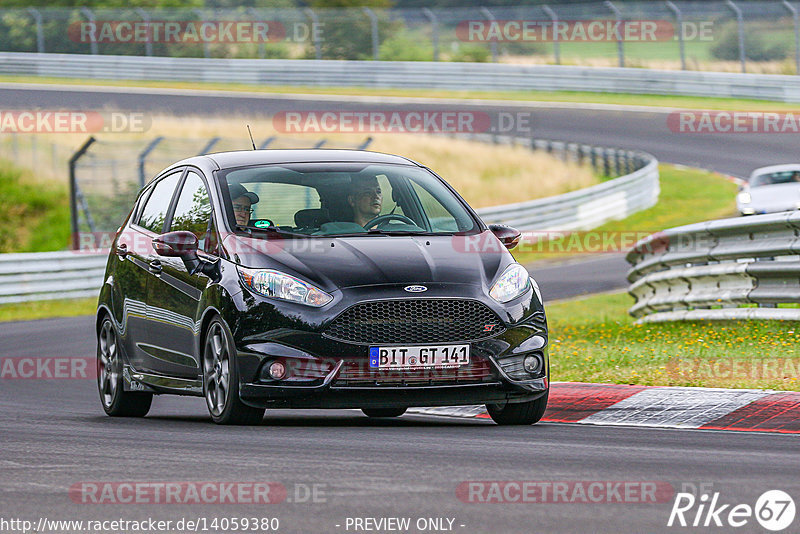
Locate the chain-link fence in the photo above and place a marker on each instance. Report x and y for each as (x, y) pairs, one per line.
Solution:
(758, 36)
(106, 175)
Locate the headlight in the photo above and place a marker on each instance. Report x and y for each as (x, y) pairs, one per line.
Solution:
(744, 197)
(279, 285)
(514, 281)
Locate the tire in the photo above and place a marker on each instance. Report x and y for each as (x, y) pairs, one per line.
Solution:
(383, 412)
(523, 413)
(115, 400)
(221, 379)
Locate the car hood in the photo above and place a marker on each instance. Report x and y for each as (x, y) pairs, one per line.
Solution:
(342, 262)
(778, 197)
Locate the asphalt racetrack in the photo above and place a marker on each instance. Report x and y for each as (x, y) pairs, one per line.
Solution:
(55, 436)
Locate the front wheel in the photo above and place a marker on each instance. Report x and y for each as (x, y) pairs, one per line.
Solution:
(116, 401)
(521, 413)
(383, 412)
(221, 380)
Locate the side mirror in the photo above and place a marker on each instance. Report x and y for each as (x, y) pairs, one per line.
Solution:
(176, 244)
(508, 236)
(180, 244)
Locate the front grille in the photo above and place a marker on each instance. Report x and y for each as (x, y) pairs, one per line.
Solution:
(415, 321)
(354, 373)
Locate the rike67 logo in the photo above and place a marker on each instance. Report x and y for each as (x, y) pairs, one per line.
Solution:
(774, 510)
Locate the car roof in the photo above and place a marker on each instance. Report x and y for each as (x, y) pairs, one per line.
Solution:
(776, 168)
(242, 158)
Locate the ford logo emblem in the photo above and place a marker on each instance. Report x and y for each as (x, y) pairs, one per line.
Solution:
(415, 289)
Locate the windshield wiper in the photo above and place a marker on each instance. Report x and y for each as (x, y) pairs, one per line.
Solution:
(400, 232)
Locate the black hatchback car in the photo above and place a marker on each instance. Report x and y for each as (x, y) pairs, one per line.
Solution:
(316, 279)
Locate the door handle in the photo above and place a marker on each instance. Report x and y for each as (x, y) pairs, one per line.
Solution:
(155, 266)
(122, 250)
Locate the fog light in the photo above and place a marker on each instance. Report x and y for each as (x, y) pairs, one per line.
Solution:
(532, 364)
(277, 370)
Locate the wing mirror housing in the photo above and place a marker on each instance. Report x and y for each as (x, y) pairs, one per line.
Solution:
(182, 244)
(507, 235)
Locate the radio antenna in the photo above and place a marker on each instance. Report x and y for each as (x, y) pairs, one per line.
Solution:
(251, 137)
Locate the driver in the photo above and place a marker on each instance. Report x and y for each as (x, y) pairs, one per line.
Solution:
(365, 198)
(242, 201)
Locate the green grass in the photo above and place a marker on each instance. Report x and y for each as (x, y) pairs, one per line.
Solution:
(34, 215)
(594, 340)
(577, 97)
(688, 195)
(27, 311)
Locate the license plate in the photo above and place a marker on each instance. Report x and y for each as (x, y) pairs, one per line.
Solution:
(418, 357)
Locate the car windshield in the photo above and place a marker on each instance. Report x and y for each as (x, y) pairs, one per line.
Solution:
(334, 199)
(772, 178)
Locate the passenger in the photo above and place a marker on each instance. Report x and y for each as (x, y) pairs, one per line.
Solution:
(365, 198)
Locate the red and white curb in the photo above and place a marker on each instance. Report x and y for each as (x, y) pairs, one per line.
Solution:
(657, 406)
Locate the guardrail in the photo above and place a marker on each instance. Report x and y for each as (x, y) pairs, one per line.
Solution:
(57, 275)
(742, 268)
(404, 74)
(50, 275)
(589, 207)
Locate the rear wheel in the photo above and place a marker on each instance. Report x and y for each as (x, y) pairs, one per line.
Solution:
(522, 413)
(221, 380)
(383, 412)
(116, 401)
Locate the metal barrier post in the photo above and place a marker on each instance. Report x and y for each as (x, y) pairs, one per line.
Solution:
(373, 19)
(314, 24)
(143, 158)
(796, 19)
(618, 14)
(493, 42)
(434, 31)
(201, 17)
(740, 23)
(206, 149)
(148, 44)
(37, 17)
(262, 47)
(679, 21)
(73, 190)
(554, 18)
(89, 14)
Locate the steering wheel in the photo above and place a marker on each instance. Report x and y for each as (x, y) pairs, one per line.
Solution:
(388, 217)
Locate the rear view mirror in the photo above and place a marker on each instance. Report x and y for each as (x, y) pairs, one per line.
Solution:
(507, 235)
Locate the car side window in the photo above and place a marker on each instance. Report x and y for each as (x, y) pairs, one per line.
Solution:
(154, 212)
(193, 212)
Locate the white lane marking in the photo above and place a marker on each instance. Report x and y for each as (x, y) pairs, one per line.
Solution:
(674, 407)
(336, 98)
(451, 411)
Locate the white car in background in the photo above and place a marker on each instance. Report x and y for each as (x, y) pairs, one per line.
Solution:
(770, 190)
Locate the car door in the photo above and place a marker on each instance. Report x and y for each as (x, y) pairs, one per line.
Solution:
(135, 245)
(173, 294)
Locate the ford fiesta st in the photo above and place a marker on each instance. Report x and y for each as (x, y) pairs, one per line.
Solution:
(316, 279)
